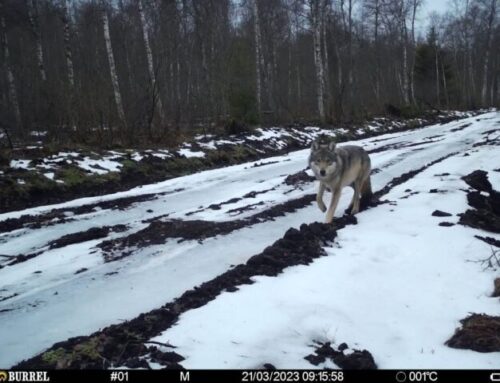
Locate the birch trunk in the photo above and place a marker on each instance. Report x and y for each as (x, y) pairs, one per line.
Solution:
(415, 4)
(10, 76)
(405, 73)
(35, 28)
(326, 64)
(445, 85)
(149, 57)
(491, 18)
(112, 67)
(258, 48)
(351, 63)
(318, 61)
(67, 43)
(438, 93)
(377, 54)
(404, 39)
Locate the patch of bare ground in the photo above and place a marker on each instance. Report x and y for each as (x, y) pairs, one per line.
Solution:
(159, 231)
(355, 360)
(70, 239)
(486, 212)
(63, 215)
(479, 332)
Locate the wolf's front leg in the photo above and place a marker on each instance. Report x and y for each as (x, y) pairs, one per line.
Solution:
(319, 197)
(333, 205)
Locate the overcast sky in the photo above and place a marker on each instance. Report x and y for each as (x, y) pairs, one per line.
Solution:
(434, 5)
(439, 6)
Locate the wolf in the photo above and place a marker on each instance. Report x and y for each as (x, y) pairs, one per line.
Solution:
(337, 167)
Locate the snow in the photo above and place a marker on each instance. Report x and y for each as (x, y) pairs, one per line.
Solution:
(38, 134)
(391, 285)
(188, 153)
(396, 284)
(20, 164)
(137, 157)
(99, 166)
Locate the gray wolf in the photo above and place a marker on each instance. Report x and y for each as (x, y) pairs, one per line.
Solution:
(337, 167)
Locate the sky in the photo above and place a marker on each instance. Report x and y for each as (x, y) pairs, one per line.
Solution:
(439, 6)
(429, 6)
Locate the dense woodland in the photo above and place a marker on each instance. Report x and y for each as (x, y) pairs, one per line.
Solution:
(128, 71)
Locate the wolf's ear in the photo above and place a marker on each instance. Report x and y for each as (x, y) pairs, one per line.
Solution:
(331, 145)
(315, 145)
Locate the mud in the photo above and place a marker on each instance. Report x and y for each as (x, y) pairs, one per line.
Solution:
(159, 231)
(299, 178)
(403, 178)
(402, 145)
(118, 344)
(70, 239)
(357, 360)
(461, 127)
(63, 215)
(479, 332)
(478, 180)
(83, 236)
(489, 240)
(439, 213)
(446, 224)
(486, 212)
(218, 206)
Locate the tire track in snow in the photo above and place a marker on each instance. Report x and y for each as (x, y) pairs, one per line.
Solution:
(124, 344)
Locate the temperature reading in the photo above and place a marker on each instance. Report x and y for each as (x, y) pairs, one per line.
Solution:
(423, 376)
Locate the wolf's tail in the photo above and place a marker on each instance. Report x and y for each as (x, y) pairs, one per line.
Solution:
(366, 194)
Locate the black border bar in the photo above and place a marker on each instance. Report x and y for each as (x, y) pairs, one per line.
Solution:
(251, 376)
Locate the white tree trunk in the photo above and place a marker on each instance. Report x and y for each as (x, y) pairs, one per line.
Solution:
(405, 73)
(415, 5)
(377, 53)
(445, 85)
(67, 43)
(326, 63)
(35, 28)
(258, 49)
(491, 18)
(438, 92)
(318, 61)
(149, 57)
(10, 76)
(112, 67)
(404, 39)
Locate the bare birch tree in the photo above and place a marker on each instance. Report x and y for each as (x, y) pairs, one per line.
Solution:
(112, 67)
(316, 17)
(35, 28)
(66, 19)
(258, 49)
(491, 19)
(10, 76)
(149, 57)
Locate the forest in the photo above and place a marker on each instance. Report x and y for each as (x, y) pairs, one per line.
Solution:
(129, 72)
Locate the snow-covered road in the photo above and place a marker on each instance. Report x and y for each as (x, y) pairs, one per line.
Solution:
(395, 284)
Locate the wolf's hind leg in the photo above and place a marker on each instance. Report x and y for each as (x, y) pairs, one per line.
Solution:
(355, 198)
(366, 193)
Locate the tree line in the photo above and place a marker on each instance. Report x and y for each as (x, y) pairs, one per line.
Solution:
(119, 71)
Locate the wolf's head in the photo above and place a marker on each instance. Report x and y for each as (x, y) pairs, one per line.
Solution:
(323, 159)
